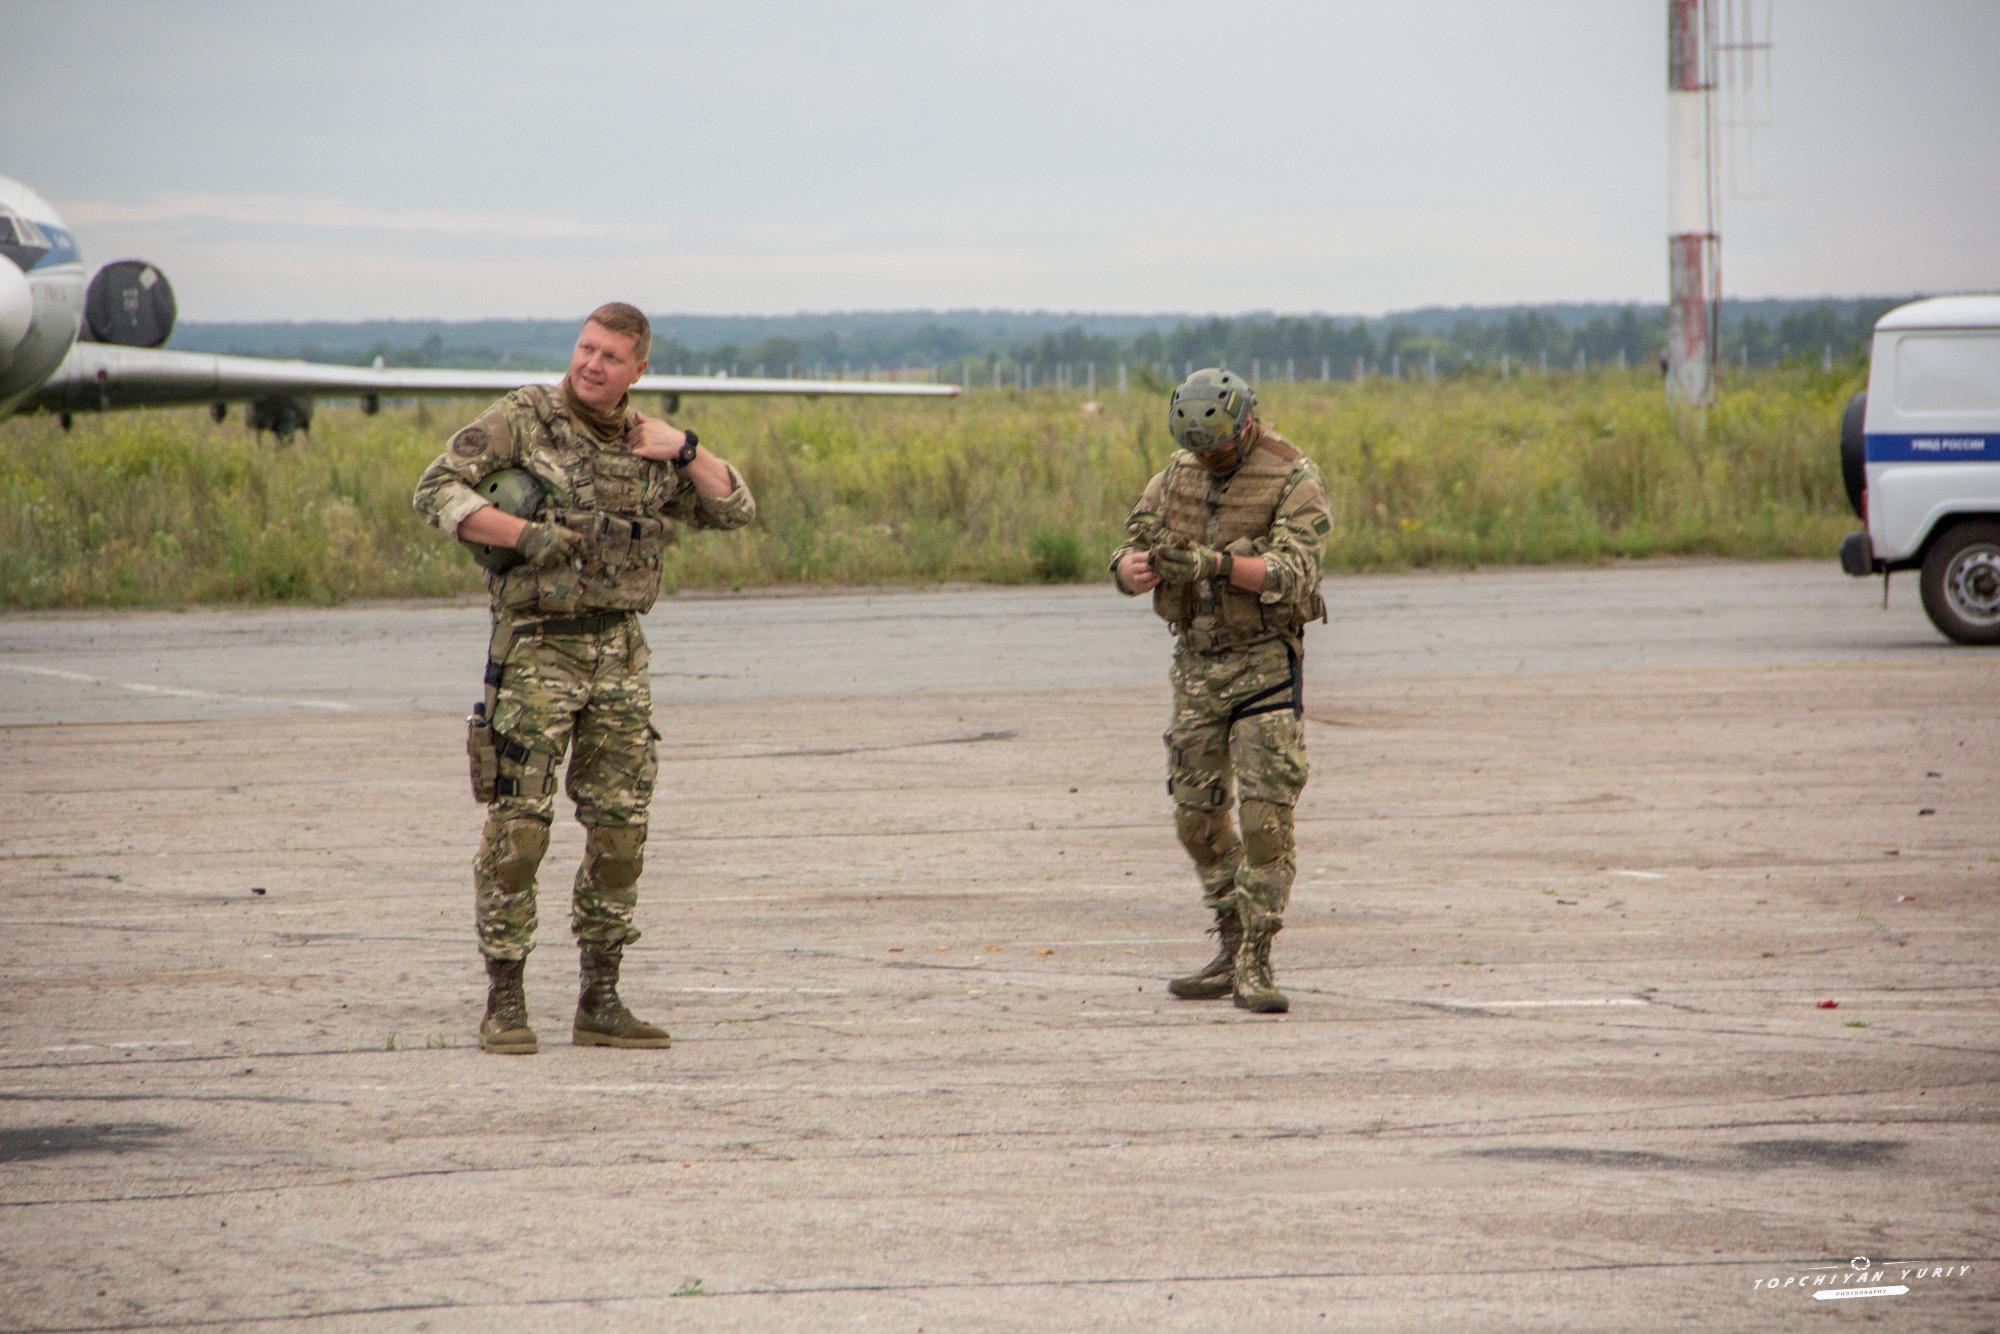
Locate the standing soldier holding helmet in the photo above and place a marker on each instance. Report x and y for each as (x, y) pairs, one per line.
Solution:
(567, 497)
(1227, 538)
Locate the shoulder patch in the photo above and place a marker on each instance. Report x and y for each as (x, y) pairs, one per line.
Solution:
(1322, 525)
(470, 442)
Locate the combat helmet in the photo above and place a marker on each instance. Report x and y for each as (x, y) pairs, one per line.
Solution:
(514, 491)
(1210, 409)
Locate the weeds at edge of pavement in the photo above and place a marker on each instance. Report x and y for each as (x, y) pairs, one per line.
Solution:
(167, 508)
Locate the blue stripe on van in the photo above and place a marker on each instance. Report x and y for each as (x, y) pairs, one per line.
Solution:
(1939, 447)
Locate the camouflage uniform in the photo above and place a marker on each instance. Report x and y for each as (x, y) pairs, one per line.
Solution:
(573, 662)
(1238, 669)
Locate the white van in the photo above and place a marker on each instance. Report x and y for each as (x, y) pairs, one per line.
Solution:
(1920, 453)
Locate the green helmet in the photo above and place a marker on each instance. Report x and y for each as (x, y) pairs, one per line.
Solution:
(1210, 409)
(514, 491)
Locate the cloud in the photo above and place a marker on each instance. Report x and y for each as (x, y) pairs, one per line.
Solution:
(342, 215)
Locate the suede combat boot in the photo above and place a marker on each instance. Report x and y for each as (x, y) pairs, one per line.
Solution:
(1216, 978)
(1256, 990)
(601, 1018)
(505, 1028)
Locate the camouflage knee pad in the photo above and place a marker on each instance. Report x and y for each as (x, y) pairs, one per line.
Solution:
(1269, 861)
(613, 858)
(1210, 839)
(1267, 831)
(512, 850)
(503, 881)
(607, 887)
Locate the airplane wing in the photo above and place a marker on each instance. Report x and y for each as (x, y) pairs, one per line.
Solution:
(96, 377)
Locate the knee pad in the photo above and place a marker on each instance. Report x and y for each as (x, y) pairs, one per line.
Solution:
(514, 849)
(1207, 835)
(1267, 832)
(615, 857)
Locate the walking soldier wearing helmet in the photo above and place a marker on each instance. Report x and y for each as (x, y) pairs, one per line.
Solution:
(1227, 538)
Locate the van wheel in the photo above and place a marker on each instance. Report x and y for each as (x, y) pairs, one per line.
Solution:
(1961, 582)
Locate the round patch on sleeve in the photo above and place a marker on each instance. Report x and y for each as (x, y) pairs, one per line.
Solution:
(469, 443)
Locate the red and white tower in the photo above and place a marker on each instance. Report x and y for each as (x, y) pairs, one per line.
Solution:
(1694, 246)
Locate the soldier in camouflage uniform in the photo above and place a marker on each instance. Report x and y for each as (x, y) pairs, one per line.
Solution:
(568, 666)
(1227, 538)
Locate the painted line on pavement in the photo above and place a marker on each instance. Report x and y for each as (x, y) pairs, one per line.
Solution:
(764, 991)
(1537, 1004)
(180, 692)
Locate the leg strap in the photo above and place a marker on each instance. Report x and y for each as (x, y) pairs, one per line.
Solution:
(1289, 693)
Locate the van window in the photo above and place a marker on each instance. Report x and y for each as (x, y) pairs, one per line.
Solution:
(1947, 373)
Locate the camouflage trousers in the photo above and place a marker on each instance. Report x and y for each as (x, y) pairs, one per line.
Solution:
(588, 695)
(1238, 738)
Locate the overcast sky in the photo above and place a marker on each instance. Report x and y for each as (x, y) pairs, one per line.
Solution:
(305, 159)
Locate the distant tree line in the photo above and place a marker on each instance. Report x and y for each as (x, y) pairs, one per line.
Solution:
(1029, 347)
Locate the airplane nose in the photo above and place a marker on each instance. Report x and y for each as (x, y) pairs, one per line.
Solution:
(17, 309)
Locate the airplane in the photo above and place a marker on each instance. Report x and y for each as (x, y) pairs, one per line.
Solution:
(70, 346)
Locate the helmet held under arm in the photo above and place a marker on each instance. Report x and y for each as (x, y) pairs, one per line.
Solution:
(514, 491)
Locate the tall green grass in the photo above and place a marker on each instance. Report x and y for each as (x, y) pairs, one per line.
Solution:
(170, 508)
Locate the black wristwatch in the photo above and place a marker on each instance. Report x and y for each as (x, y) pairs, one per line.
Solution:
(686, 456)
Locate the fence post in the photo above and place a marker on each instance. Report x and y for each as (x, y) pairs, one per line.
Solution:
(1121, 377)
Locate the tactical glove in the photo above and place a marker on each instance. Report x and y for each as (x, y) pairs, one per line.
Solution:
(1191, 564)
(546, 544)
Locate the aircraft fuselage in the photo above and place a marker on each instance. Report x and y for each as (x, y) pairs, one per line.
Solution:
(42, 282)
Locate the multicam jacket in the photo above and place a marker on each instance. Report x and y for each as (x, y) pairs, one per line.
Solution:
(623, 506)
(1273, 505)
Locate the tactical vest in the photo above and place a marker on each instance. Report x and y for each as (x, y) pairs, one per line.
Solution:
(614, 499)
(1212, 614)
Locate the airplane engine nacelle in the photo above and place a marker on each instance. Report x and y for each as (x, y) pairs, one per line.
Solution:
(129, 303)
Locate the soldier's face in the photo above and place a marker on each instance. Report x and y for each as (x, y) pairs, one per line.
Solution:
(1223, 458)
(604, 366)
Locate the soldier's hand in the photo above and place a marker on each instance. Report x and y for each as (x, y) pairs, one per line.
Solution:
(1135, 572)
(546, 544)
(1187, 564)
(651, 438)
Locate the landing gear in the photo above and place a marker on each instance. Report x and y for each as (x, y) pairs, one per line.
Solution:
(281, 416)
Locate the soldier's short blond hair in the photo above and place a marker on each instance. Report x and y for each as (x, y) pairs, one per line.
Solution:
(628, 320)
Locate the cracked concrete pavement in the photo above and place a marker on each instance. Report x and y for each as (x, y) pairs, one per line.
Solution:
(1583, 853)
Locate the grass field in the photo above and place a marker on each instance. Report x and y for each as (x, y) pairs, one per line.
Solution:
(169, 508)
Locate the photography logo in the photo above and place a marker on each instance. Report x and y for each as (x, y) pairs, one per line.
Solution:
(1861, 1277)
